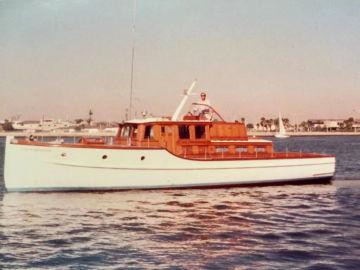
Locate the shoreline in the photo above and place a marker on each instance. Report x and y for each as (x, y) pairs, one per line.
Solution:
(111, 134)
(58, 134)
(304, 133)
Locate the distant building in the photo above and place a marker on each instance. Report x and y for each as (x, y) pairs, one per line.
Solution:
(333, 124)
(111, 130)
(42, 125)
(91, 130)
(316, 123)
(28, 125)
(356, 125)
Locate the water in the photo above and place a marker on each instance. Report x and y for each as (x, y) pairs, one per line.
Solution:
(279, 227)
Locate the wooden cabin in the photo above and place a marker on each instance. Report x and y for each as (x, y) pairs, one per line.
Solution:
(193, 139)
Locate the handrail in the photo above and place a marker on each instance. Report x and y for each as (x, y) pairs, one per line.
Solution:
(253, 156)
(211, 108)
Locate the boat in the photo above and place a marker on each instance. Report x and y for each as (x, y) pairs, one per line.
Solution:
(281, 134)
(44, 125)
(182, 151)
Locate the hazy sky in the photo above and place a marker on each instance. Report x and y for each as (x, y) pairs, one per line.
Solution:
(254, 58)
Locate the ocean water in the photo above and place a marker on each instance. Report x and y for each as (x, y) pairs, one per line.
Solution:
(275, 227)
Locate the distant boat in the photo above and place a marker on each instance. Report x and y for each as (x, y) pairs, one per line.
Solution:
(282, 132)
(45, 125)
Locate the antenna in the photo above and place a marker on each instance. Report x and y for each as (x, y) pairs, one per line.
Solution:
(132, 58)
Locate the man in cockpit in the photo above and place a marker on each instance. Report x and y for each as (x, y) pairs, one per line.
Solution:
(202, 108)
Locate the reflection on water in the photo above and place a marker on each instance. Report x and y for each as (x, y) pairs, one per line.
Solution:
(314, 227)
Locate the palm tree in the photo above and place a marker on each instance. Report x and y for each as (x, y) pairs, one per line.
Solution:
(89, 121)
(305, 125)
(349, 123)
(262, 121)
(7, 126)
(250, 126)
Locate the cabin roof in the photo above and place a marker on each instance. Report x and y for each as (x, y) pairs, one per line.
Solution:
(164, 120)
(147, 120)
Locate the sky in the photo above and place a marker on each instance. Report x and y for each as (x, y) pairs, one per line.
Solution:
(254, 58)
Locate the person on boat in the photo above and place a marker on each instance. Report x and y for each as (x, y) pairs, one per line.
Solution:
(202, 108)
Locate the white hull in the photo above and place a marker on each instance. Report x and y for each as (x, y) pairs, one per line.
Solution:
(38, 168)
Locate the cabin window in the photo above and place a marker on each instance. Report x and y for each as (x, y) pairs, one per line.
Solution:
(134, 132)
(184, 132)
(259, 149)
(149, 132)
(162, 130)
(221, 149)
(199, 132)
(241, 149)
(125, 132)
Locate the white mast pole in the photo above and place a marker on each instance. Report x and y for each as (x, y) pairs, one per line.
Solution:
(183, 101)
(132, 59)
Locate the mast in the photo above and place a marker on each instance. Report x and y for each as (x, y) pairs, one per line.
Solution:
(132, 59)
(183, 101)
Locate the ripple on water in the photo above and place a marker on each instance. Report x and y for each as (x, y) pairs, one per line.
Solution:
(271, 236)
(222, 206)
(295, 255)
(57, 242)
(180, 204)
(323, 266)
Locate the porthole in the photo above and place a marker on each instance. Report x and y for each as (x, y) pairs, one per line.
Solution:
(104, 157)
(63, 154)
(142, 157)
